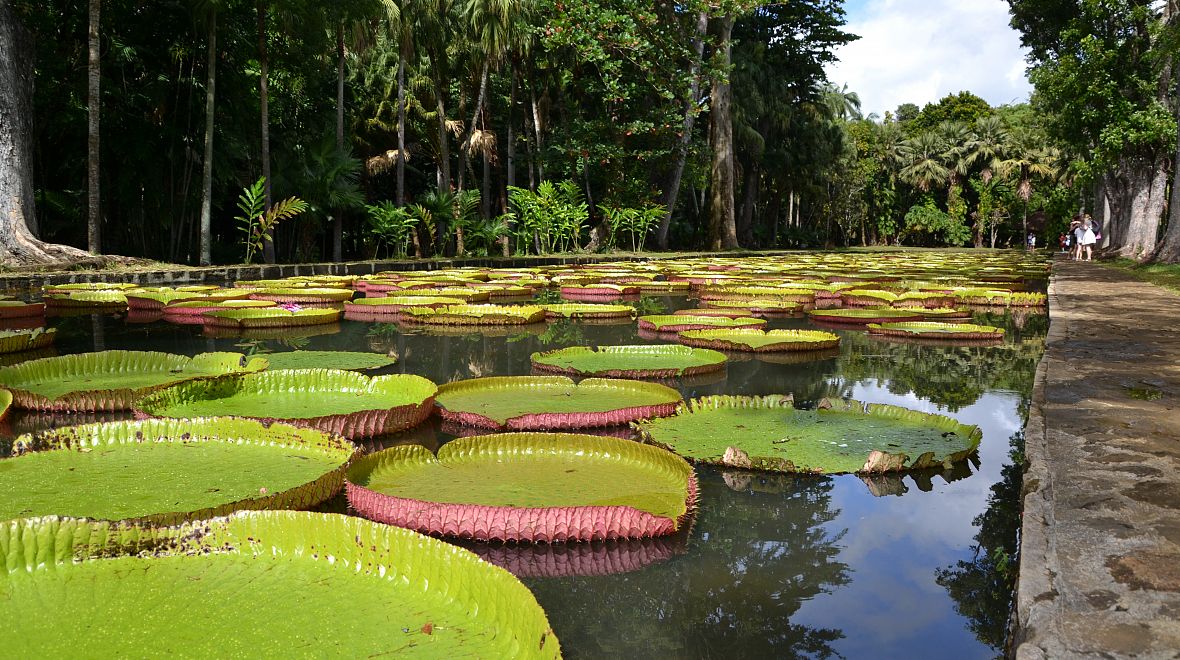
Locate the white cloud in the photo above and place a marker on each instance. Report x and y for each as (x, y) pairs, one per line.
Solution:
(917, 51)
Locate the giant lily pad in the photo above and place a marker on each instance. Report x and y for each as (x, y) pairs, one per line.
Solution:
(12, 309)
(555, 560)
(547, 487)
(5, 403)
(837, 437)
(102, 299)
(664, 361)
(475, 315)
(865, 315)
(157, 298)
(351, 360)
(332, 400)
(195, 308)
(396, 304)
(303, 295)
(167, 471)
(111, 380)
(679, 322)
(935, 330)
(270, 317)
(587, 311)
(759, 341)
(262, 584)
(552, 402)
(15, 341)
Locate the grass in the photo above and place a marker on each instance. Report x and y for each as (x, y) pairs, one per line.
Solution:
(1165, 275)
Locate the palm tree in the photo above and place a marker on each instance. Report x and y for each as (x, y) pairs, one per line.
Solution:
(987, 145)
(1028, 159)
(923, 157)
(840, 102)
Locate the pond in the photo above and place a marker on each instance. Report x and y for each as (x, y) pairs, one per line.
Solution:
(774, 565)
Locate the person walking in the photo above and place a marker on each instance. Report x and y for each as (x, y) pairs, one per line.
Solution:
(1086, 240)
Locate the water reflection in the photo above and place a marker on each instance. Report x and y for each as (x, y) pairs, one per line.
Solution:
(754, 558)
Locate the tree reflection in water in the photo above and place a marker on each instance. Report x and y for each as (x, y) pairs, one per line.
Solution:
(761, 548)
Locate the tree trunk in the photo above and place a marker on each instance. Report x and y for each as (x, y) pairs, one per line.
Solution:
(1169, 249)
(338, 222)
(510, 137)
(538, 142)
(401, 125)
(465, 150)
(206, 256)
(268, 245)
(745, 228)
(93, 130)
(722, 226)
(1143, 221)
(444, 146)
(690, 116)
(19, 246)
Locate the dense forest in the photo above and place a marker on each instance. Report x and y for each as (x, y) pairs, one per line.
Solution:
(217, 131)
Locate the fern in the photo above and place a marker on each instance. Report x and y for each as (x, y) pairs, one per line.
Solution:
(256, 222)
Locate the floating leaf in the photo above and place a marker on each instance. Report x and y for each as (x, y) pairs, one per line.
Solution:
(15, 341)
(111, 380)
(332, 400)
(166, 471)
(865, 315)
(753, 339)
(552, 402)
(13, 309)
(679, 322)
(837, 437)
(935, 330)
(475, 315)
(548, 487)
(351, 360)
(259, 583)
(662, 361)
(270, 317)
(588, 311)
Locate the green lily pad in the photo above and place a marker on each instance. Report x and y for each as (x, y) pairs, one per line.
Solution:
(397, 304)
(262, 584)
(475, 315)
(168, 470)
(757, 306)
(552, 402)
(270, 317)
(663, 361)
(84, 298)
(549, 487)
(111, 380)
(303, 295)
(768, 433)
(759, 341)
(679, 322)
(5, 403)
(935, 330)
(15, 341)
(588, 311)
(351, 360)
(332, 400)
(466, 294)
(865, 315)
(157, 298)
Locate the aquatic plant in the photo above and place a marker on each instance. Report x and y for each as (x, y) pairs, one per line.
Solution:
(112, 380)
(350, 360)
(837, 437)
(935, 330)
(579, 311)
(662, 361)
(475, 315)
(529, 487)
(759, 341)
(679, 322)
(15, 341)
(270, 317)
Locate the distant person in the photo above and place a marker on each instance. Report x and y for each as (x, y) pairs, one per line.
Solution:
(1076, 232)
(1032, 241)
(1086, 241)
(1063, 239)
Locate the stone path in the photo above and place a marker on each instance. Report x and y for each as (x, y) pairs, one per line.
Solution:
(1100, 544)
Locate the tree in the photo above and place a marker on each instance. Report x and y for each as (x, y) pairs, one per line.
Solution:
(93, 128)
(963, 107)
(722, 224)
(924, 167)
(1028, 161)
(209, 9)
(19, 246)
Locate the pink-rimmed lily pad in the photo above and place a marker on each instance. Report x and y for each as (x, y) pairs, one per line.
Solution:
(582, 311)
(527, 487)
(15, 309)
(552, 402)
(16, 341)
(332, 400)
(334, 585)
(164, 471)
(759, 341)
(935, 330)
(863, 316)
(475, 315)
(680, 322)
(304, 295)
(660, 361)
(112, 380)
(270, 317)
(397, 304)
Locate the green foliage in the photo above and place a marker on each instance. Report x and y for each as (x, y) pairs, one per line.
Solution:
(963, 107)
(635, 222)
(392, 226)
(256, 222)
(927, 222)
(550, 219)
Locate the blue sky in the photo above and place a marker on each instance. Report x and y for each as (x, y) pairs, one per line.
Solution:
(918, 51)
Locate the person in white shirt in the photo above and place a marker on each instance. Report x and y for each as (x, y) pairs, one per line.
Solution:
(1086, 240)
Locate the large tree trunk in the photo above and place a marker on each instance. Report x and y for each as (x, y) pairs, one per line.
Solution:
(722, 226)
(690, 116)
(538, 129)
(338, 223)
(1144, 214)
(745, 227)
(1169, 249)
(465, 150)
(19, 246)
(268, 245)
(206, 257)
(93, 130)
(444, 146)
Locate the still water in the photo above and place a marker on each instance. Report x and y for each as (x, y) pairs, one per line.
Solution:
(774, 566)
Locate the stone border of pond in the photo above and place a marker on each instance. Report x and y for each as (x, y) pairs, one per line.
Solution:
(1100, 535)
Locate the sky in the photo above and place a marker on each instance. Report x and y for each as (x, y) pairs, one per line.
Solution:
(918, 51)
